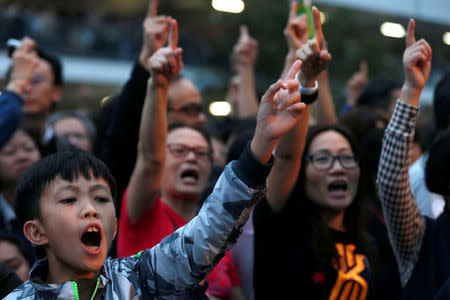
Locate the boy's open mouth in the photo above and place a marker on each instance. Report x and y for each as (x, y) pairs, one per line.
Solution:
(91, 238)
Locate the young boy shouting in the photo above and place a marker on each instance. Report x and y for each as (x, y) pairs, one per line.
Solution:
(66, 205)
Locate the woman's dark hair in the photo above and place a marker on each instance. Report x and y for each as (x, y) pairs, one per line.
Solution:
(323, 249)
(31, 135)
(369, 158)
(361, 120)
(11, 238)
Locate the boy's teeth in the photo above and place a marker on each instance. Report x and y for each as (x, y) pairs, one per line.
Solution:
(92, 229)
(93, 248)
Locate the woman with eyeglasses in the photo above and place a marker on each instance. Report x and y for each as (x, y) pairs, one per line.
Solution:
(315, 244)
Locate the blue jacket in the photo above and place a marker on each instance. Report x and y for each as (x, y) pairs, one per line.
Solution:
(173, 268)
(10, 112)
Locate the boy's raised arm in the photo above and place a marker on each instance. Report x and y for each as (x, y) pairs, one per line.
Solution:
(164, 65)
(186, 257)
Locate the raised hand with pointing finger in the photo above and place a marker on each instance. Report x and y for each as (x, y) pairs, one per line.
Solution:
(246, 49)
(155, 32)
(357, 83)
(314, 54)
(296, 31)
(167, 62)
(279, 111)
(416, 65)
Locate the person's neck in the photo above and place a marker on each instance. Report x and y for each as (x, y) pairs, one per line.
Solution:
(185, 207)
(336, 220)
(59, 272)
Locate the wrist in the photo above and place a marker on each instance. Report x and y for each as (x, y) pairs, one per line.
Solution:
(261, 147)
(291, 57)
(410, 95)
(143, 60)
(17, 86)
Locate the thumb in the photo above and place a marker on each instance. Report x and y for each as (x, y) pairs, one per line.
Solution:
(410, 38)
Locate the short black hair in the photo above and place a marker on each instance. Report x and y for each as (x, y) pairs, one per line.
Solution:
(13, 239)
(83, 118)
(441, 102)
(55, 64)
(378, 93)
(69, 165)
(200, 129)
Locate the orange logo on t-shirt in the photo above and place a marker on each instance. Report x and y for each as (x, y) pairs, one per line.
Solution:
(349, 284)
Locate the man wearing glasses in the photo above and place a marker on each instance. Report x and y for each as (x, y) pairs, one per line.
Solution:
(185, 103)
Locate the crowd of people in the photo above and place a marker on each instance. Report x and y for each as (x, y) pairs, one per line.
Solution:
(295, 200)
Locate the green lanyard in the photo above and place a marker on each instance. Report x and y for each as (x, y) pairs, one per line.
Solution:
(75, 290)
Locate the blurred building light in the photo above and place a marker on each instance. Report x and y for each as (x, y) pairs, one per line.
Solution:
(220, 108)
(446, 38)
(394, 30)
(231, 6)
(323, 17)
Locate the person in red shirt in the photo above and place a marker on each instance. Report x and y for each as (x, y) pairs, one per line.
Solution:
(170, 175)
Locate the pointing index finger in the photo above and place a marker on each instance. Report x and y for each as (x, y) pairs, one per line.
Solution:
(363, 68)
(410, 39)
(293, 11)
(294, 70)
(152, 8)
(317, 25)
(244, 32)
(173, 35)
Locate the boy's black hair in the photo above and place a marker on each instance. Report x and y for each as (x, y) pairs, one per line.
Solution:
(69, 165)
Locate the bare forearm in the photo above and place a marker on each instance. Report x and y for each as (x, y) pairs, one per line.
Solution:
(324, 106)
(153, 128)
(247, 104)
(146, 179)
(288, 154)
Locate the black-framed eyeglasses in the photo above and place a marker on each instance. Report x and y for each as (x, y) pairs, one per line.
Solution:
(324, 161)
(191, 109)
(181, 151)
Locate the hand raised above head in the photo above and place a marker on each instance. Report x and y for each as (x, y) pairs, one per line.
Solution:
(24, 62)
(245, 51)
(280, 109)
(155, 32)
(280, 106)
(314, 54)
(358, 82)
(296, 30)
(416, 59)
(167, 62)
